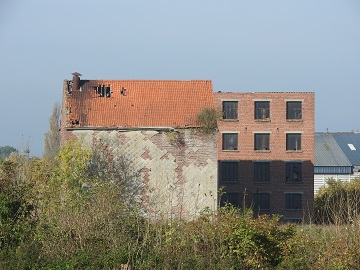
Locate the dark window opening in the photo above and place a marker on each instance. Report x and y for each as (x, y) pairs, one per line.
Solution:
(262, 171)
(230, 110)
(293, 110)
(293, 201)
(293, 172)
(261, 201)
(262, 110)
(228, 171)
(103, 91)
(229, 141)
(262, 141)
(230, 198)
(293, 142)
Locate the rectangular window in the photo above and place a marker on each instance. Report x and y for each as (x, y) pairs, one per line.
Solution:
(262, 171)
(262, 141)
(261, 201)
(293, 110)
(262, 110)
(293, 201)
(230, 110)
(293, 141)
(228, 171)
(229, 141)
(293, 172)
(230, 198)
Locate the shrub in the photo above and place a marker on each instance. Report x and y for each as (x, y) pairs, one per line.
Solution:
(208, 118)
(338, 203)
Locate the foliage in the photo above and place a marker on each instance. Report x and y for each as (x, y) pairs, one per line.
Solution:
(82, 212)
(52, 137)
(338, 203)
(208, 118)
(324, 247)
(5, 151)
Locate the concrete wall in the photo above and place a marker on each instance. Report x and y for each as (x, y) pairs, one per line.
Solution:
(178, 168)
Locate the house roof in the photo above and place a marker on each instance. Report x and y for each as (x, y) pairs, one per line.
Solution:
(138, 103)
(350, 145)
(337, 149)
(328, 152)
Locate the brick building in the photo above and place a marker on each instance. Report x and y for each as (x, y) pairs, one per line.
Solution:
(152, 124)
(266, 151)
(264, 146)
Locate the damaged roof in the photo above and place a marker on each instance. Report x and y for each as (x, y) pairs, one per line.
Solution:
(135, 103)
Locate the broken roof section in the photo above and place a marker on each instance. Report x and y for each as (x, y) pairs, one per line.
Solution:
(136, 103)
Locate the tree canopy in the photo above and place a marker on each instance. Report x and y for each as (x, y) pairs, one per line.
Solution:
(5, 151)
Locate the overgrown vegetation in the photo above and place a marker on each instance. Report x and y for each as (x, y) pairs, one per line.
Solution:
(5, 151)
(338, 203)
(207, 118)
(52, 137)
(82, 211)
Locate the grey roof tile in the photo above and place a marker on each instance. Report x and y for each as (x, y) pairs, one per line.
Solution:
(328, 152)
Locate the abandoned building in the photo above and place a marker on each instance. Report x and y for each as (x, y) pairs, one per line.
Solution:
(152, 123)
(261, 154)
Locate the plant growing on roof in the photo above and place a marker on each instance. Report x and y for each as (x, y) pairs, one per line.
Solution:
(208, 118)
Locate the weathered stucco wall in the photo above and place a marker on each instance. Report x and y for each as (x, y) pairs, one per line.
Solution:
(178, 168)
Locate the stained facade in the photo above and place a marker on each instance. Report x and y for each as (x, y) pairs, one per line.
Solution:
(153, 124)
(261, 155)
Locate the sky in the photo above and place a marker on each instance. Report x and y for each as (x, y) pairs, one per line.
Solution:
(241, 46)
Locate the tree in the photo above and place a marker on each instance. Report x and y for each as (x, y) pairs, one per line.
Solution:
(5, 151)
(208, 118)
(52, 137)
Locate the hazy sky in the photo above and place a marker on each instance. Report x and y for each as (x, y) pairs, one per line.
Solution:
(242, 46)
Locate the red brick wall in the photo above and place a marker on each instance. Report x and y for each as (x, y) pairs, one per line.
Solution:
(277, 126)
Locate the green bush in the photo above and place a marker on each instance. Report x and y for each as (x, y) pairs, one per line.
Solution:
(338, 203)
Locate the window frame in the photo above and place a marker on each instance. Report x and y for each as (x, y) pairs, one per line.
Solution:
(293, 201)
(291, 114)
(259, 107)
(225, 173)
(230, 112)
(226, 145)
(289, 171)
(261, 198)
(262, 171)
(262, 136)
(293, 140)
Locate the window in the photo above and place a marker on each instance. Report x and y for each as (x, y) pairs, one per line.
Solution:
(262, 110)
(103, 91)
(228, 171)
(293, 110)
(261, 141)
(293, 142)
(230, 110)
(229, 141)
(261, 201)
(262, 171)
(293, 201)
(230, 198)
(293, 172)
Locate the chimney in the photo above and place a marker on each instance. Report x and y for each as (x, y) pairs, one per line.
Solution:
(76, 81)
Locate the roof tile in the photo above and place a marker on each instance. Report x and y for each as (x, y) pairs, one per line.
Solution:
(145, 103)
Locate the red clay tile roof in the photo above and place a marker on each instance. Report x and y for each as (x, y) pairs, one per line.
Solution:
(145, 103)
